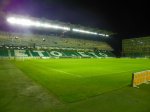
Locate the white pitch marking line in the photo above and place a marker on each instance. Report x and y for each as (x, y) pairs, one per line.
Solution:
(66, 72)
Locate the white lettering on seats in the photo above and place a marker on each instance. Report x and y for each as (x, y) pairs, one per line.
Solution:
(83, 54)
(55, 53)
(20, 53)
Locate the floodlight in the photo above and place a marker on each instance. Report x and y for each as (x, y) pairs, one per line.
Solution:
(89, 32)
(46, 25)
(11, 20)
(20, 21)
(28, 22)
(84, 31)
(101, 34)
(38, 24)
(35, 23)
(107, 35)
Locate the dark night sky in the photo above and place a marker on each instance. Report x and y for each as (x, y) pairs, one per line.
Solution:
(127, 18)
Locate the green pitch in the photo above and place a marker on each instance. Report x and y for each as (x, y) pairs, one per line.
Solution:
(72, 85)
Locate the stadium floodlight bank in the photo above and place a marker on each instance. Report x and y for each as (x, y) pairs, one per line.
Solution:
(139, 78)
(31, 23)
(35, 22)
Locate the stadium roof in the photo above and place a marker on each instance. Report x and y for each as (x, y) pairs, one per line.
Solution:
(27, 21)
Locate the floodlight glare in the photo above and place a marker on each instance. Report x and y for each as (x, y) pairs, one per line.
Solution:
(28, 22)
(102, 34)
(55, 26)
(11, 20)
(89, 32)
(20, 21)
(38, 24)
(84, 31)
(107, 35)
(35, 23)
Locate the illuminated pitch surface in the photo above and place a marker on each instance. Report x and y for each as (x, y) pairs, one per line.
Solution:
(86, 85)
(76, 79)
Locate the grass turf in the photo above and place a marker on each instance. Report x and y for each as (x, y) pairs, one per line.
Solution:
(86, 85)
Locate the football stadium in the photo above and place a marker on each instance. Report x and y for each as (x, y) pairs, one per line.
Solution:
(52, 66)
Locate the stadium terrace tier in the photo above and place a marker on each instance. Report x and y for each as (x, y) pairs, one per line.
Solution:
(53, 54)
(17, 39)
(27, 45)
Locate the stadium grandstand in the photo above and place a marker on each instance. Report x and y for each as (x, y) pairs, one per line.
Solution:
(59, 43)
(136, 47)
